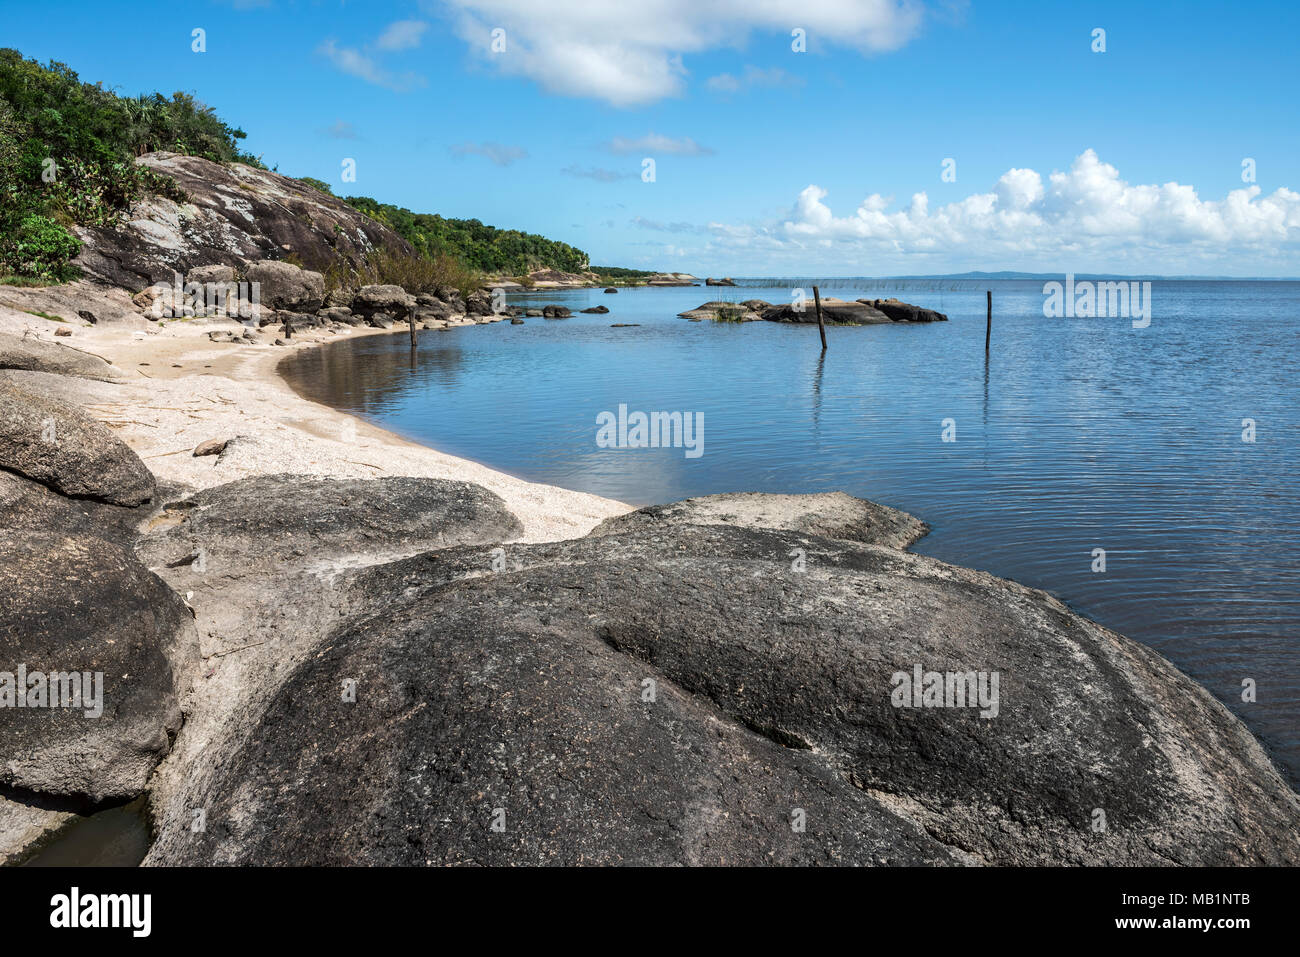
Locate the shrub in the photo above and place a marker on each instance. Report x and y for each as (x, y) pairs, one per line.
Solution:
(317, 184)
(44, 249)
(415, 274)
(68, 150)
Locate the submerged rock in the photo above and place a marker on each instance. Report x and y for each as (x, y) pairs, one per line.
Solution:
(681, 693)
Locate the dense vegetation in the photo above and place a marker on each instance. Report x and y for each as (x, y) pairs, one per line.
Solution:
(507, 252)
(621, 273)
(67, 152)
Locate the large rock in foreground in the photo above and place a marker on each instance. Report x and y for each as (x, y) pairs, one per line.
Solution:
(61, 446)
(271, 520)
(695, 693)
(77, 609)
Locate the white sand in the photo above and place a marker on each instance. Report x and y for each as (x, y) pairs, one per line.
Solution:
(180, 389)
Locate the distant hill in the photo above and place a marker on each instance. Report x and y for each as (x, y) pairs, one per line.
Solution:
(1108, 277)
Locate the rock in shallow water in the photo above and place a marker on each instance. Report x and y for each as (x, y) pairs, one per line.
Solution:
(682, 693)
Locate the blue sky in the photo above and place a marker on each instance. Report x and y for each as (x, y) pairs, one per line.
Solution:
(767, 161)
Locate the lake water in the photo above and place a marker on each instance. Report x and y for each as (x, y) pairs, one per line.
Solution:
(1074, 434)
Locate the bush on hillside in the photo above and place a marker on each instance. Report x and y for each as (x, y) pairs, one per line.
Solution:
(68, 149)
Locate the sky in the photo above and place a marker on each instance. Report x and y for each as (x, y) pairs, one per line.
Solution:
(784, 137)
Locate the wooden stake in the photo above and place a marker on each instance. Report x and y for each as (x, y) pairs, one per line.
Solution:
(821, 326)
(410, 314)
(988, 327)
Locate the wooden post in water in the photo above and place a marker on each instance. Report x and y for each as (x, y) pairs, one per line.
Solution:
(410, 314)
(821, 326)
(288, 327)
(988, 327)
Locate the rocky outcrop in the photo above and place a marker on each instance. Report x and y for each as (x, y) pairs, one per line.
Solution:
(598, 310)
(82, 613)
(285, 286)
(860, 313)
(834, 310)
(36, 355)
(61, 446)
(728, 281)
(670, 692)
(382, 300)
(828, 514)
(558, 279)
(234, 214)
(672, 279)
(271, 520)
(904, 312)
(76, 303)
(717, 310)
(556, 312)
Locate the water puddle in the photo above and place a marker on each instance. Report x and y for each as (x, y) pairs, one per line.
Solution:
(115, 837)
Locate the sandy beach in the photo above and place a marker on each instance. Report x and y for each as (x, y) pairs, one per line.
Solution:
(180, 389)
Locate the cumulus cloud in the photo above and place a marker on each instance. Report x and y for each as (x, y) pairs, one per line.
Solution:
(631, 53)
(1087, 210)
(498, 153)
(654, 143)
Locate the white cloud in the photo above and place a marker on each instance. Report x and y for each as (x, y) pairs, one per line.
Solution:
(364, 62)
(402, 35)
(654, 143)
(1087, 213)
(498, 153)
(631, 53)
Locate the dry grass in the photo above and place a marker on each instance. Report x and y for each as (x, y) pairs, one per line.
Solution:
(415, 274)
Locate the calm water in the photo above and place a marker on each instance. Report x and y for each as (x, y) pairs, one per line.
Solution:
(1076, 434)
